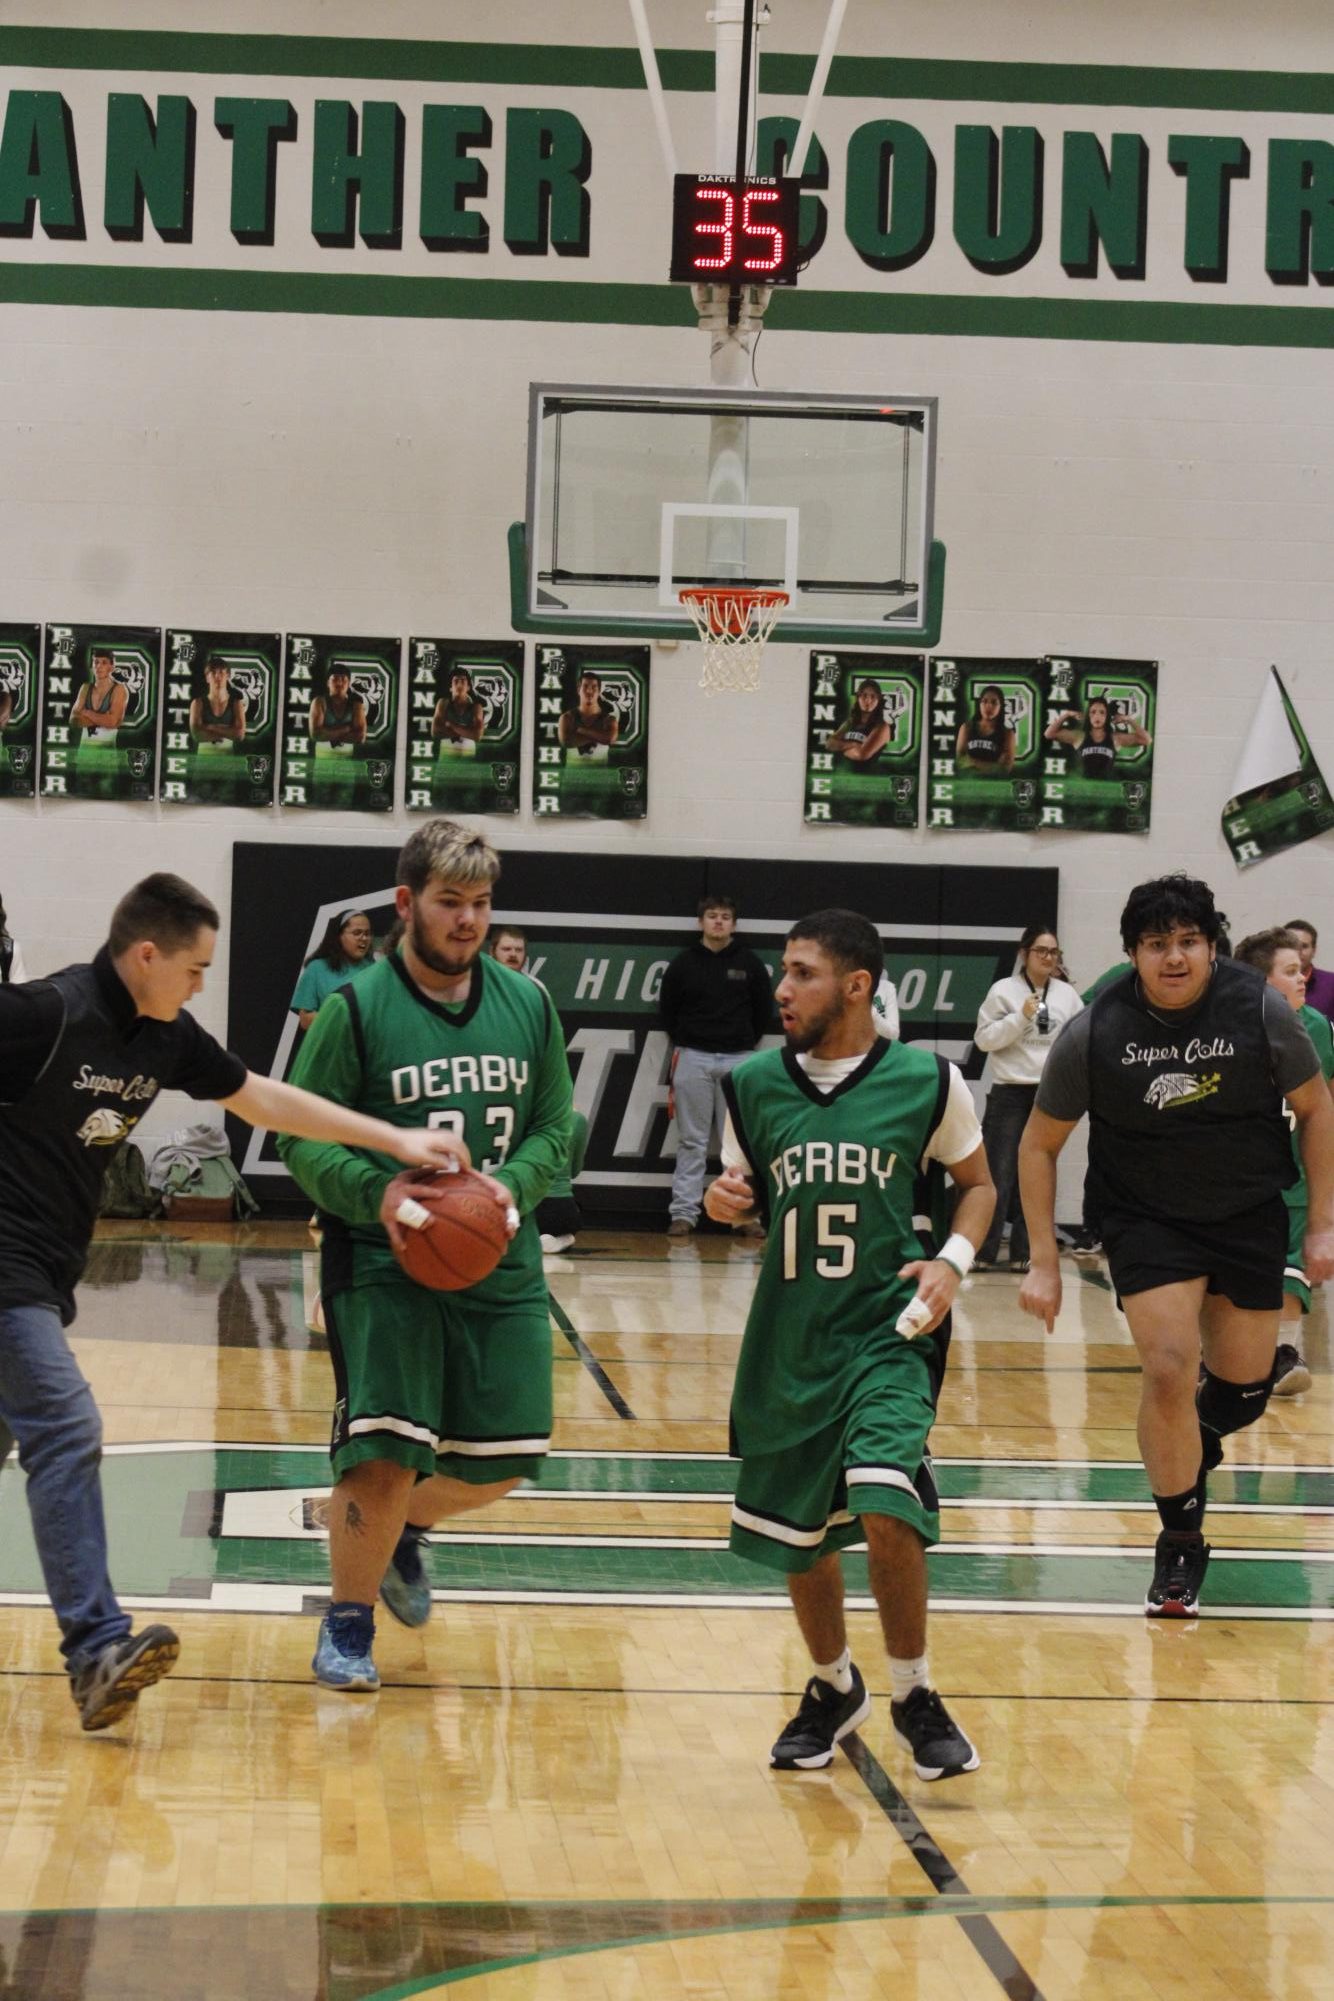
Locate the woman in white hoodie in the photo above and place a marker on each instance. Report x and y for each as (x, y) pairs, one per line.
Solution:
(1016, 1026)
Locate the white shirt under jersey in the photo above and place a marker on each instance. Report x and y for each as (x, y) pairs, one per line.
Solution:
(1016, 1046)
(957, 1135)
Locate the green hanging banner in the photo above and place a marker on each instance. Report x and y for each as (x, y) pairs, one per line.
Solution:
(99, 711)
(590, 754)
(465, 725)
(340, 723)
(20, 679)
(220, 710)
(864, 739)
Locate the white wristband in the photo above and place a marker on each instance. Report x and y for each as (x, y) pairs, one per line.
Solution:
(958, 1254)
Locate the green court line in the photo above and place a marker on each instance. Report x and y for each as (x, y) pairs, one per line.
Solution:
(587, 303)
(884, 79)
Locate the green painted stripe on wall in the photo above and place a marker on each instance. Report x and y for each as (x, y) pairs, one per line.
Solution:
(887, 78)
(556, 301)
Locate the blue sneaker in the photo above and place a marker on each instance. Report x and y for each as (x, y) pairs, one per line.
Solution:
(343, 1654)
(405, 1587)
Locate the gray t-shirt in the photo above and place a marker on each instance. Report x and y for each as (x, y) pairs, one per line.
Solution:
(1064, 1091)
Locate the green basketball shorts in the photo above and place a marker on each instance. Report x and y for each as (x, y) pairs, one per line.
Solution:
(434, 1381)
(794, 1506)
(1295, 1284)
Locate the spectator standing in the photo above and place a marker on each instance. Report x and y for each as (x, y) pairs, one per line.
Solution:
(13, 972)
(1319, 983)
(715, 1003)
(1016, 1026)
(342, 953)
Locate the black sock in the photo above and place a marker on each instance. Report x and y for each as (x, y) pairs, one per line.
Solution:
(1182, 1513)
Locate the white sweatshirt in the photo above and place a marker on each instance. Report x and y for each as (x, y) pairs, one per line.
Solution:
(1015, 1045)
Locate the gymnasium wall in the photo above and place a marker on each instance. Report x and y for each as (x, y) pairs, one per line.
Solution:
(205, 429)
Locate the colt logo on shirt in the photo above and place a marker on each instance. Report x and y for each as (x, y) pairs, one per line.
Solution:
(105, 1127)
(1177, 1087)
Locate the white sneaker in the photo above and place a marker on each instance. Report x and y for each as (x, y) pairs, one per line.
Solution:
(553, 1244)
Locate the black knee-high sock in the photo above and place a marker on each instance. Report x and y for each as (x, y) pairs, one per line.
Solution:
(1183, 1513)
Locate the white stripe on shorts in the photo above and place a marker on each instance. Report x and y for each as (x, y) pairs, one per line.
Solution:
(880, 1476)
(421, 1433)
(781, 1532)
(1295, 1271)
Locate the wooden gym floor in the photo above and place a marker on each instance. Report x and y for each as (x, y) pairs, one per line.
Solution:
(563, 1787)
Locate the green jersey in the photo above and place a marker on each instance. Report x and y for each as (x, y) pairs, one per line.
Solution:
(835, 1173)
(492, 1070)
(1318, 1028)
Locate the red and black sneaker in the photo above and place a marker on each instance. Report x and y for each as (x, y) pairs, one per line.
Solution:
(1180, 1559)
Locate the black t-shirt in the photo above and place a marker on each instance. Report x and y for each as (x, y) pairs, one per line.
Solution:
(79, 1068)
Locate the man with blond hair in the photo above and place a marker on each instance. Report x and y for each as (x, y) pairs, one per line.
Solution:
(443, 1399)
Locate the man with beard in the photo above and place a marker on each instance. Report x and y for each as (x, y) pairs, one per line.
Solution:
(443, 1399)
(830, 1139)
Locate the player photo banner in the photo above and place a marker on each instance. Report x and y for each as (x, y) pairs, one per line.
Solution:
(20, 671)
(340, 723)
(1097, 766)
(590, 754)
(99, 711)
(1279, 794)
(864, 739)
(220, 711)
(987, 718)
(465, 725)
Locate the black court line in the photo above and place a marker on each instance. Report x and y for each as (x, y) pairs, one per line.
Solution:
(940, 1872)
(589, 1359)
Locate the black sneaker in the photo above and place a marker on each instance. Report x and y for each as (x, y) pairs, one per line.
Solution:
(823, 1720)
(1083, 1243)
(1180, 1559)
(925, 1727)
(1292, 1378)
(110, 1685)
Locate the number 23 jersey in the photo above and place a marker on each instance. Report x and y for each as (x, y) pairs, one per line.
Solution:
(835, 1175)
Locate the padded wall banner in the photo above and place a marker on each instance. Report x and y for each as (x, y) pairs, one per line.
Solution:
(864, 738)
(99, 711)
(20, 668)
(465, 725)
(601, 931)
(590, 748)
(340, 723)
(987, 717)
(220, 717)
(1097, 770)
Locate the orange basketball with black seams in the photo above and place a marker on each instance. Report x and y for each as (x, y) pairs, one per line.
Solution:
(454, 1232)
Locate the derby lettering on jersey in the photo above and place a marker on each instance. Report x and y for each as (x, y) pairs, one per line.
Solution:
(847, 1164)
(132, 1089)
(448, 1076)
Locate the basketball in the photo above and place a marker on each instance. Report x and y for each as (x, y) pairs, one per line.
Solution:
(454, 1231)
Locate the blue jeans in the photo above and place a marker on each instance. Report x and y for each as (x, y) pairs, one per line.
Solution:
(700, 1106)
(1003, 1122)
(47, 1408)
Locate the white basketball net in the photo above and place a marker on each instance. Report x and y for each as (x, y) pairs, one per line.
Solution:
(733, 626)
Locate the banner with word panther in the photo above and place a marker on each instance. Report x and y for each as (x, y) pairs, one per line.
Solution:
(99, 711)
(220, 710)
(465, 725)
(340, 723)
(601, 930)
(590, 749)
(864, 739)
(987, 718)
(1280, 796)
(1097, 767)
(20, 658)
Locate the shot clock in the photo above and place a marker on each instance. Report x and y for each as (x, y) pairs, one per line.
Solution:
(734, 232)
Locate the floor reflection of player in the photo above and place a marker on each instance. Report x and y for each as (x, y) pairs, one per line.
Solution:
(218, 716)
(459, 719)
(592, 726)
(99, 710)
(866, 730)
(985, 743)
(1096, 736)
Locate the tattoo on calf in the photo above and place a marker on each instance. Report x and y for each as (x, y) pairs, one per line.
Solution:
(355, 1520)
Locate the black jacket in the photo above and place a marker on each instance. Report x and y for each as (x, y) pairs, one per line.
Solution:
(716, 1001)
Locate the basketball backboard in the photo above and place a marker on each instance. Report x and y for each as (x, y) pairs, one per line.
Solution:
(636, 493)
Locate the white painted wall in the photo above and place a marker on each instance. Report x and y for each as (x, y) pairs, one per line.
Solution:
(273, 471)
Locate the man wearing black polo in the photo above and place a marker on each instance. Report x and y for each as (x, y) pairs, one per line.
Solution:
(716, 1002)
(82, 1057)
(1183, 1067)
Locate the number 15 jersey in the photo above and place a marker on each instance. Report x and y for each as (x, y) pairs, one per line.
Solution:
(835, 1174)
